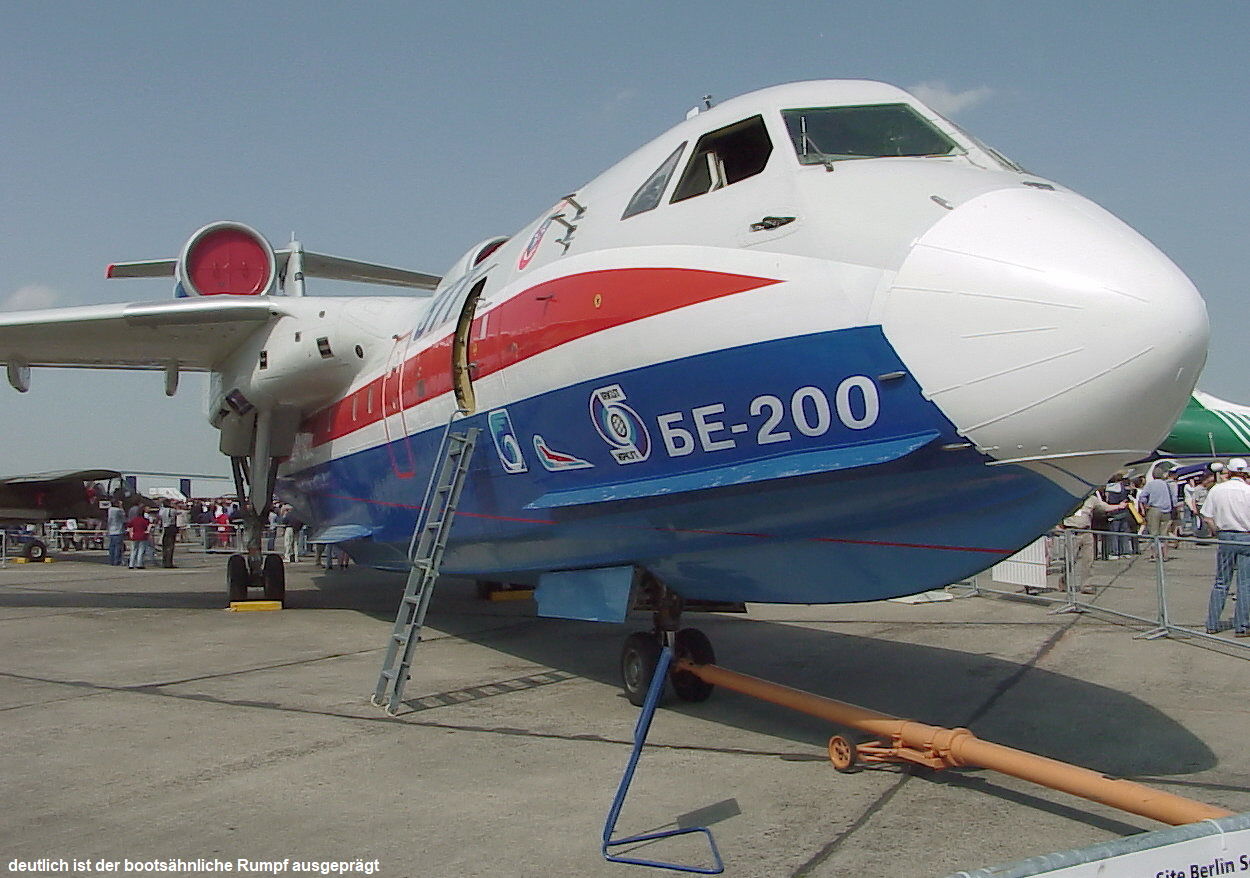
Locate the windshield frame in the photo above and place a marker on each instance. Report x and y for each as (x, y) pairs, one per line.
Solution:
(913, 134)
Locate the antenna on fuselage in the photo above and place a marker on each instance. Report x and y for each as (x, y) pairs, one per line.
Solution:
(696, 109)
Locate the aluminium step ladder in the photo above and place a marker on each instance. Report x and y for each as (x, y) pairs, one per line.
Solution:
(425, 553)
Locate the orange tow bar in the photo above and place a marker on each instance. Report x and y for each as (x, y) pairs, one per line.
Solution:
(900, 740)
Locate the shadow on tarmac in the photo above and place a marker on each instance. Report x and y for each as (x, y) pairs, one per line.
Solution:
(1018, 705)
(1006, 702)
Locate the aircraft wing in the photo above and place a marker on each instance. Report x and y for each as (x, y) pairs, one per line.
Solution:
(313, 265)
(195, 334)
(78, 476)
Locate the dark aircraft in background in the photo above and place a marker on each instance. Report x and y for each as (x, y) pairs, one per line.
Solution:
(28, 502)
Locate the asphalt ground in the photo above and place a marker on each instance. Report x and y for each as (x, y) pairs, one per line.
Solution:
(141, 723)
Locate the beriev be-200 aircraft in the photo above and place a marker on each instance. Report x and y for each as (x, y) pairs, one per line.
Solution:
(815, 344)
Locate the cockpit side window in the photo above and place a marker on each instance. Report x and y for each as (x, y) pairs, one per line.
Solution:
(828, 134)
(724, 157)
(649, 193)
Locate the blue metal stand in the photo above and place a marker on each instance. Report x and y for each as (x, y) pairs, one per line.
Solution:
(640, 738)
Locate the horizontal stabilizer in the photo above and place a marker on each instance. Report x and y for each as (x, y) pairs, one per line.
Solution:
(149, 268)
(315, 265)
(337, 268)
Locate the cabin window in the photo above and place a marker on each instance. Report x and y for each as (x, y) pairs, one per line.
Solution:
(724, 157)
(827, 134)
(443, 306)
(649, 193)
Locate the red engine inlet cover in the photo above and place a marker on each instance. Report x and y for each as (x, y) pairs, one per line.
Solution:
(227, 259)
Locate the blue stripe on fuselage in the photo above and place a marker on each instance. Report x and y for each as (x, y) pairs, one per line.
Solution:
(892, 523)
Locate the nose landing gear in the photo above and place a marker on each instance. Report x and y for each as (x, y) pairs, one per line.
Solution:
(641, 651)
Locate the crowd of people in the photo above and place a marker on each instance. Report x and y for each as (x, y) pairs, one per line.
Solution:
(132, 533)
(1144, 515)
(144, 527)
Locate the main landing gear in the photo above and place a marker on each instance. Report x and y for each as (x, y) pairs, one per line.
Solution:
(269, 575)
(254, 568)
(641, 652)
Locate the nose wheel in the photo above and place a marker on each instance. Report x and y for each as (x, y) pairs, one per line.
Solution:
(692, 644)
(641, 654)
(639, 657)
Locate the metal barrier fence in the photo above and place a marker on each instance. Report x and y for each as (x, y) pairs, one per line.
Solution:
(195, 539)
(206, 538)
(1168, 598)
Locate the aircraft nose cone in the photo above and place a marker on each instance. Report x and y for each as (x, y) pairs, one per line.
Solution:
(1046, 328)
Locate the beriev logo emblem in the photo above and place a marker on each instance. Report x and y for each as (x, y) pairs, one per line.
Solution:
(506, 444)
(619, 425)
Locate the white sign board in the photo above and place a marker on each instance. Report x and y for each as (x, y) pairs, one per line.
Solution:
(1026, 567)
(1198, 850)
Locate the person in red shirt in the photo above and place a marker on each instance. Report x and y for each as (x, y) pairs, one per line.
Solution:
(137, 533)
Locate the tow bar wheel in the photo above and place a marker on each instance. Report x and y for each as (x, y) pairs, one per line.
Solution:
(843, 754)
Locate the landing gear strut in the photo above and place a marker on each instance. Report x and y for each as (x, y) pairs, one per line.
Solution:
(254, 568)
(641, 652)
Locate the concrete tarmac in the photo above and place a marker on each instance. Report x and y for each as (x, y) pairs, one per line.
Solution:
(141, 723)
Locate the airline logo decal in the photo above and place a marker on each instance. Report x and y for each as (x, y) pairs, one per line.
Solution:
(619, 425)
(506, 444)
(557, 461)
(531, 249)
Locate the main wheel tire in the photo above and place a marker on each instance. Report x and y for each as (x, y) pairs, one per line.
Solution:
(237, 577)
(692, 644)
(273, 578)
(639, 657)
(35, 551)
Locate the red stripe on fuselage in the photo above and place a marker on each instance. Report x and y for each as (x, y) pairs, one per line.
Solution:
(537, 320)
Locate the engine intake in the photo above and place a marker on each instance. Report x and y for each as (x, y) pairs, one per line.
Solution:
(227, 259)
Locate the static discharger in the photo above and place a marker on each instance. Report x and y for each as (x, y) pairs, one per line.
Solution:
(904, 741)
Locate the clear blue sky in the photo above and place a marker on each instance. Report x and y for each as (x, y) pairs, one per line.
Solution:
(405, 132)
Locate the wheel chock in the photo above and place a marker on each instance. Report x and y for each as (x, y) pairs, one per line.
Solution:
(247, 606)
(511, 594)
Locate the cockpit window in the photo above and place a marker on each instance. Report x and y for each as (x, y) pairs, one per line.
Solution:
(828, 134)
(724, 157)
(649, 193)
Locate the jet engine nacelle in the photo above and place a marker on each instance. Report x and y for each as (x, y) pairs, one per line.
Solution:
(226, 259)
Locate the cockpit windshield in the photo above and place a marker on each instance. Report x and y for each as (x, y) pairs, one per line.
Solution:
(828, 134)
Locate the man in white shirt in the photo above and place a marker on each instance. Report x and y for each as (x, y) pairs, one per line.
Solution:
(1227, 512)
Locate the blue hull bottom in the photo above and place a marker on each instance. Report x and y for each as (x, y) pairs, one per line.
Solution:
(724, 474)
